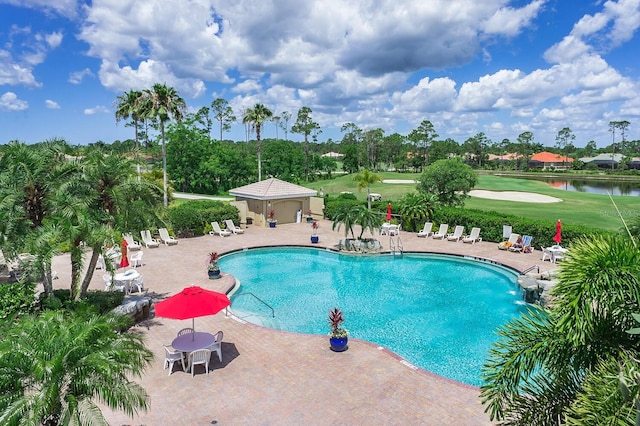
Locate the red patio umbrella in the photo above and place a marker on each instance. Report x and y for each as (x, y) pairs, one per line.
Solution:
(124, 261)
(388, 212)
(558, 237)
(192, 302)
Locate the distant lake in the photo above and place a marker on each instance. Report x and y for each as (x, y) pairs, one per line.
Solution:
(592, 186)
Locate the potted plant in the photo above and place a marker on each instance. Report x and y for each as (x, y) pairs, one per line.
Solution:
(314, 231)
(338, 336)
(309, 216)
(213, 269)
(272, 219)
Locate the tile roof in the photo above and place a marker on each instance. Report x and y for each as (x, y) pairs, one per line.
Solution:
(606, 157)
(548, 157)
(271, 189)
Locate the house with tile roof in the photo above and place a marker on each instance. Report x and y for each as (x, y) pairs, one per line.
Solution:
(287, 200)
(604, 161)
(545, 160)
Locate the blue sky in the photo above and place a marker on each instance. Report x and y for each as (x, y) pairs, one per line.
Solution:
(494, 66)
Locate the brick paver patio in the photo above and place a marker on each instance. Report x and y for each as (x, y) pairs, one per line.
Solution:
(269, 377)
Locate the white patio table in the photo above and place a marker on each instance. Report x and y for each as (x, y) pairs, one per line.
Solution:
(190, 342)
(556, 252)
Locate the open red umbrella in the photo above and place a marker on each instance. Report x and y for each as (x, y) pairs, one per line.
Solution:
(558, 237)
(124, 261)
(192, 302)
(388, 212)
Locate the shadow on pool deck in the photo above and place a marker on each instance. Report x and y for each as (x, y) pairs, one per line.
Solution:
(270, 377)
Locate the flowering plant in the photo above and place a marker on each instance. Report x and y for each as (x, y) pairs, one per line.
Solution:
(335, 322)
(315, 225)
(272, 215)
(212, 259)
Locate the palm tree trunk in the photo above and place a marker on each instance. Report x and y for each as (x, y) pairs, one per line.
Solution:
(164, 166)
(95, 254)
(259, 153)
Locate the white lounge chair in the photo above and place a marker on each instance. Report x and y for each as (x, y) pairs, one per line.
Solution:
(506, 232)
(166, 238)
(233, 228)
(147, 240)
(513, 238)
(426, 231)
(442, 232)
(525, 247)
(216, 230)
(473, 236)
(457, 233)
(131, 243)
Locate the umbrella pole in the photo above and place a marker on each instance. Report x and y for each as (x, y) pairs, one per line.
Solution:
(193, 335)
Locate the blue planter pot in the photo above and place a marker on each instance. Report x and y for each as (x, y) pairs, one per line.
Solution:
(315, 239)
(339, 344)
(214, 274)
(272, 224)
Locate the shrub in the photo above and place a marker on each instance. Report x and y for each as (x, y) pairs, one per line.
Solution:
(194, 217)
(16, 299)
(96, 300)
(491, 224)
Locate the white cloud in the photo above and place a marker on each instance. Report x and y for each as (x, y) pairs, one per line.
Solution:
(510, 21)
(67, 8)
(13, 73)
(51, 104)
(78, 76)
(54, 39)
(9, 102)
(96, 109)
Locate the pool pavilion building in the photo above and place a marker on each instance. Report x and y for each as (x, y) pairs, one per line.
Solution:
(287, 201)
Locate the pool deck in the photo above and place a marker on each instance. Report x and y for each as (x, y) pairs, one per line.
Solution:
(270, 377)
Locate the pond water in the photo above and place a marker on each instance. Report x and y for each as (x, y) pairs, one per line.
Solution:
(592, 186)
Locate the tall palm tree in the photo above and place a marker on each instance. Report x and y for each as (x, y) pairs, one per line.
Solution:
(129, 105)
(549, 365)
(161, 104)
(346, 216)
(368, 220)
(255, 117)
(56, 368)
(366, 179)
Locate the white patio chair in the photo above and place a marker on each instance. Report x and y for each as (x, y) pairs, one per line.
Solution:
(137, 283)
(147, 240)
(233, 228)
(166, 238)
(131, 243)
(186, 331)
(171, 356)
(546, 254)
(216, 230)
(136, 259)
(217, 345)
(199, 357)
(108, 281)
(100, 264)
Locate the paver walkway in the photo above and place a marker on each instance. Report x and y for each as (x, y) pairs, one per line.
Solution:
(269, 377)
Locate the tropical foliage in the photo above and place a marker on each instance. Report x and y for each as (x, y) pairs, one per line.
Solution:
(56, 368)
(565, 363)
(416, 208)
(254, 117)
(365, 179)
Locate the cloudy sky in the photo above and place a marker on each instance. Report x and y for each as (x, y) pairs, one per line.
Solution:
(494, 66)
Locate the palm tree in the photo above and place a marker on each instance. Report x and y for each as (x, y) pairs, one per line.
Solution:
(129, 105)
(255, 117)
(56, 367)
(162, 103)
(346, 216)
(415, 208)
(366, 179)
(552, 363)
(367, 219)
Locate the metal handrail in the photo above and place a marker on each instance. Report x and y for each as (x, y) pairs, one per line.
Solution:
(273, 313)
(531, 268)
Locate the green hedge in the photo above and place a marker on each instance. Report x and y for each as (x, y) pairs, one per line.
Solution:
(491, 224)
(194, 218)
(101, 301)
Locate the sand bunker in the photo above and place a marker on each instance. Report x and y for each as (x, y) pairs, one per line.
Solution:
(522, 197)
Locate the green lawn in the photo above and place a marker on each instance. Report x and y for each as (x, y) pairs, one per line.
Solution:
(576, 207)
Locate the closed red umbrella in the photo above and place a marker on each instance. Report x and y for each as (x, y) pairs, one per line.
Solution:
(388, 212)
(558, 237)
(192, 302)
(124, 261)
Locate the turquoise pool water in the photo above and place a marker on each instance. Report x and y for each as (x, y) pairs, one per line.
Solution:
(438, 312)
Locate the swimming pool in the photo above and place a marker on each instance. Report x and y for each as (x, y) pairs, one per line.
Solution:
(438, 312)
